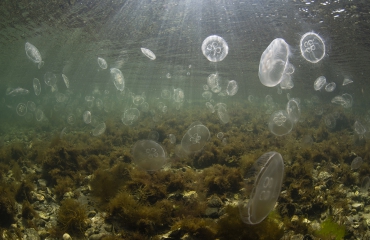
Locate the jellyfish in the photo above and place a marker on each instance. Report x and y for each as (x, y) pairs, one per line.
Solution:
(99, 129)
(280, 123)
(195, 138)
(274, 63)
(117, 78)
(266, 178)
(148, 155)
(293, 109)
(102, 63)
(21, 109)
(319, 83)
(330, 87)
(356, 163)
(148, 53)
(33, 54)
(215, 48)
(232, 88)
(312, 47)
(36, 86)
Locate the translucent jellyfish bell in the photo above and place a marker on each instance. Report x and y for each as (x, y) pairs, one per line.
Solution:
(222, 113)
(265, 179)
(50, 79)
(274, 63)
(280, 123)
(195, 138)
(319, 83)
(33, 54)
(36, 86)
(102, 63)
(312, 47)
(359, 128)
(330, 121)
(293, 109)
(117, 78)
(148, 155)
(99, 129)
(215, 48)
(330, 87)
(148, 53)
(21, 109)
(232, 88)
(130, 116)
(365, 184)
(356, 163)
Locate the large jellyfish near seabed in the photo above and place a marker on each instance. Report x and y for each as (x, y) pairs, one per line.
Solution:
(148, 155)
(195, 138)
(265, 179)
(274, 63)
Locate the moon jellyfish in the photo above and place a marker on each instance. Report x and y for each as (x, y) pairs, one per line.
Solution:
(210, 107)
(359, 129)
(347, 81)
(39, 114)
(207, 95)
(172, 138)
(312, 47)
(130, 116)
(148, 155)
(205, 87)
(50, 79)
(265, 179)
(144, 107)
(31, 106)
(36, 86)
(293, 109)
(168, 75)
(280, 123)
(87, 117)
(330, 121)
(16, 91)
(148, 53)
(117, 78)
(71, 119)
(33, 54)
(306, 141)
(319, 83)
(251, 98)
(21, 109)
(99, 129)
(286, 82)
(274, 63)
(154, 136)
(222, 113)
(102, 63)
(99, 103)
(365, 184)
(356, 163)
(232, 88)
(215, 48)
(195, 138)
(330, 87)
(166, 94)
(345, 100)
(138, 99)
(220, 135)
(178, 95)
(66, 80)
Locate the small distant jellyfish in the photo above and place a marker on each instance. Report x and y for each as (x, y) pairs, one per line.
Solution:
(207, 95)
(232, 88)
(87, 117)
(168, 75)
(99, 129)
(251, 98)
(71, 119)
(312, 47)
(31, 106)
(319, 83)
(178, 95)
(215, 48)
(36, 86)
(330, 121)
(21, 109)
(347, 81)
(117, 78)
(205, 87)
(280, 123)
(356, 163)
(220, 135)
(224, 141)
(172, 138)
(222, 113)
(33, 54)
(195, 138)
(148, 53)
(330, 87)
(50, 79)
(102, 63)
(359, 129)
(66, 80)
(130, 116)
(365, 184)
(210, 107)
